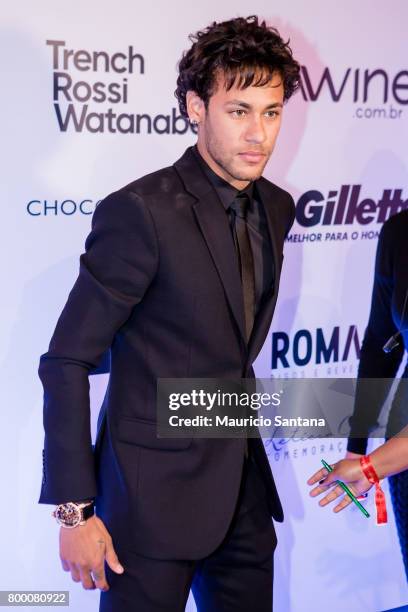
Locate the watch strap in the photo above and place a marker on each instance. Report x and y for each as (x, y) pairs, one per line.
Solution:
(88, 511)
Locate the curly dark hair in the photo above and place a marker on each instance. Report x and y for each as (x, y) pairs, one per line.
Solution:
(246, 51)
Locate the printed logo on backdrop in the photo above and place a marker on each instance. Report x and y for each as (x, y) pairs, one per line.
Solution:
(91, 93)
(309, 353)
(373, 93)
(64, 207)
(312, 353)
(280, 450)
(319, 352)
(344, 213)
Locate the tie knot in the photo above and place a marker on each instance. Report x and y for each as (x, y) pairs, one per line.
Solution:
(240, 205)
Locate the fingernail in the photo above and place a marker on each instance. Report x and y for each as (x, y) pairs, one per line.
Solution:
(120, 569)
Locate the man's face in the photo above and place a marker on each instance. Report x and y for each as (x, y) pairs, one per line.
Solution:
(238, 131)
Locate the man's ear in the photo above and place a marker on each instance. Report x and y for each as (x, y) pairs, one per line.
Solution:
(195, 107)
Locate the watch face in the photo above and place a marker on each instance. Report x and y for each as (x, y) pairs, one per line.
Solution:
(68, 514)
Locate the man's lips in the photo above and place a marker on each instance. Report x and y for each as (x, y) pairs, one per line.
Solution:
(252, 156)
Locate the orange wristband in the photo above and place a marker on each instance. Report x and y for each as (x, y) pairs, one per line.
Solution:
(372, 476)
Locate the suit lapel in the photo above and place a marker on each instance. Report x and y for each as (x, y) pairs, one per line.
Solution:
(214, 226)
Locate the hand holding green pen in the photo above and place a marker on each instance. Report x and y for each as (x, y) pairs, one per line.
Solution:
(348, 470)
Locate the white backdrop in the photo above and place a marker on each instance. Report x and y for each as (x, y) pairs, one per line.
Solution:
(338, 131)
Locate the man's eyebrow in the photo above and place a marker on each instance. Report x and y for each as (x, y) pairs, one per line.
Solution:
(248, 106)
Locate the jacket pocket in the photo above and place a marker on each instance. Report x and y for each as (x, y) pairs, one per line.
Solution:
(144, 433)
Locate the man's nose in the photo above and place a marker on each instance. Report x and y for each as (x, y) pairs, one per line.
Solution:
(255, 131)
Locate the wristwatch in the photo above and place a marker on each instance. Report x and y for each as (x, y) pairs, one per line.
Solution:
(72, 514)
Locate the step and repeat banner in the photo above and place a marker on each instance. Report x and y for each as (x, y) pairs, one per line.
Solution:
(87, 107)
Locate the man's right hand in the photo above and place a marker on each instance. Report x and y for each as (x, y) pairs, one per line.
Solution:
(83, 550)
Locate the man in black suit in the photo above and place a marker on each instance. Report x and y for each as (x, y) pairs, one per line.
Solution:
(179, 279)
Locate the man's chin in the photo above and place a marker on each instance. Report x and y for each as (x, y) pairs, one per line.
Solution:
(249, 174)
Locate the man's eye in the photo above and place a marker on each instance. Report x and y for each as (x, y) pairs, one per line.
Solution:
(272, 114)
(238, 112)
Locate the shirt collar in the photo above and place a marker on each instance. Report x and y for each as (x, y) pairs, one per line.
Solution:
(226, 192)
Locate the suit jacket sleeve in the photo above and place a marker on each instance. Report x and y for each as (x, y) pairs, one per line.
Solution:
(116, 269)
(376, 369)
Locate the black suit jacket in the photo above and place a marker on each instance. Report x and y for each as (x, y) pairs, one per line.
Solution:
(159, 285)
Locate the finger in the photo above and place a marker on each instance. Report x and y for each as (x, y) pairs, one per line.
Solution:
(65, 565)
(112, 559)
(98, 574)
(334, 494)
(322, 473)
(74, 572)
(86, 578)
(343, 504)
(322, 488)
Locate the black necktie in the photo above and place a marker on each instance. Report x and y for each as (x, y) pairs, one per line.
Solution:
(240, 233)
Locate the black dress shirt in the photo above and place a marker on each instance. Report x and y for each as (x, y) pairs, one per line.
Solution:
(258, 232)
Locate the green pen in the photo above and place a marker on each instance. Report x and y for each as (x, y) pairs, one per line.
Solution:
(347, 490)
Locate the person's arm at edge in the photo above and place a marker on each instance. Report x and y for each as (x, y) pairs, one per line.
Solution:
(119, 263)
(376, 369)
(388, 459)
